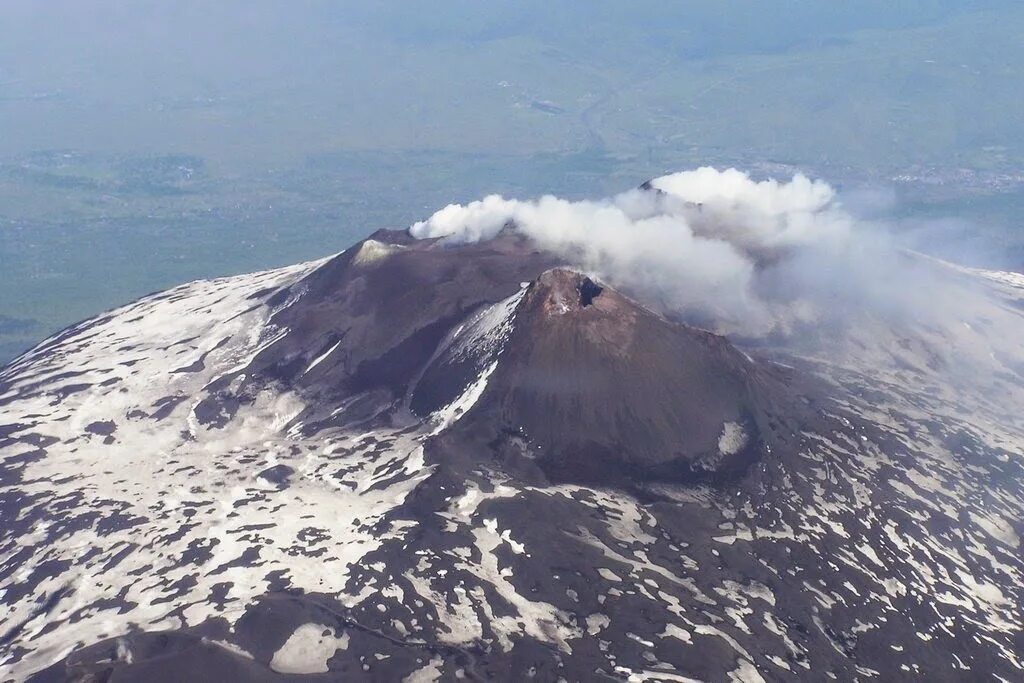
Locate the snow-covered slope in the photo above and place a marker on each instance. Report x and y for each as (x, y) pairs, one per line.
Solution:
(355, 468)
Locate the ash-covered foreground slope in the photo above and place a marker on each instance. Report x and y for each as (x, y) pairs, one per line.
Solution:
(418, 461)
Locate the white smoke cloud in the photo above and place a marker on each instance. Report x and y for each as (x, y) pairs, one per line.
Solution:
(739, 255)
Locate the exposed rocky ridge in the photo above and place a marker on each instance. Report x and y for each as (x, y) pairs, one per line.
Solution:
(365, 327)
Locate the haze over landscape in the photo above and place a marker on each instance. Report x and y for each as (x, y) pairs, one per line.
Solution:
(509, 341)
(150, 143)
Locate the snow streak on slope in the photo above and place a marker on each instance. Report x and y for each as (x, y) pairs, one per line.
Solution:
(478, 342)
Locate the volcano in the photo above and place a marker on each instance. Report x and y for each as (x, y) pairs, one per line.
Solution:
(419, 460)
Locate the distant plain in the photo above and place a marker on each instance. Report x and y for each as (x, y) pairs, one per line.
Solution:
(147, 144)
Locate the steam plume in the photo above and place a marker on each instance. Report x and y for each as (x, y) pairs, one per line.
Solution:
(740, 255)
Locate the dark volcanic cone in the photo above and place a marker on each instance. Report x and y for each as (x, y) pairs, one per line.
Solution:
(594, 387)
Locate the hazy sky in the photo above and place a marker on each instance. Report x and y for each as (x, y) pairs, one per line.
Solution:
(259, 82)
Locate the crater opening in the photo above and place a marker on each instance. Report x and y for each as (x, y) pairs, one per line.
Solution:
(589, 290)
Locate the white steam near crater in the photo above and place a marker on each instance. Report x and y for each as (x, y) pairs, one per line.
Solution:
(750, 256)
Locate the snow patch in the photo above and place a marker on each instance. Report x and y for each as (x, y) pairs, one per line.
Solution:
(732, 439)
(373, 251)
(308, 649)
